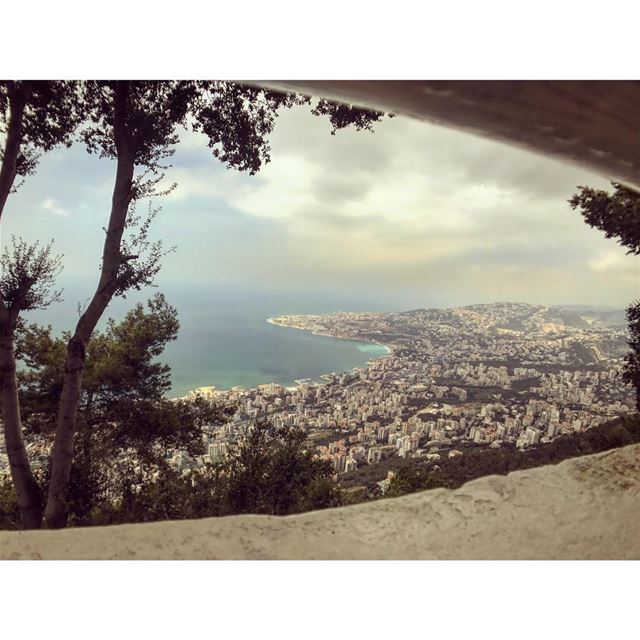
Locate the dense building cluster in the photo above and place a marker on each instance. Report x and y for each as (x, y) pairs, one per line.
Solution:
(486, 374)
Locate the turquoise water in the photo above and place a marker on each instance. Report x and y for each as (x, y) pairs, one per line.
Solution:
(228, 342)
(248, 351)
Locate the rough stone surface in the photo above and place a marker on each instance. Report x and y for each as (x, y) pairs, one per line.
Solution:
(586, 122)
(585, 508)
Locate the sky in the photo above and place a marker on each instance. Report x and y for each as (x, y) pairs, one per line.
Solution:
(412, 215)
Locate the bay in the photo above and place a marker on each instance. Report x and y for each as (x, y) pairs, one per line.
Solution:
(225, 340)
(245, 350)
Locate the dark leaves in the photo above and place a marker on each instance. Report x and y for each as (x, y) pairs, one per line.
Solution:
(631, 372)
(272, 471)
(52, 113)
(617, 214)
(28, 274)
(154, 110)
(237, 120)
(344, 115)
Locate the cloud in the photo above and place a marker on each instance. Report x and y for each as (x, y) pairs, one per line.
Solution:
(411, 172)
(52, 206)
(410, 205)
(413, 208)
(614, 261)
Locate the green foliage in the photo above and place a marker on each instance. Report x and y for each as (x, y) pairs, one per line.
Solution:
(408, 480)
(120, 372)
(153, 111)
(631, 373)
(126, 426)
(10, 516)
(344, 115)
(123, 413)
(236, 118)
(163, 495)
(617, 213)
(53, 110)
(271, 472)
(28, 273)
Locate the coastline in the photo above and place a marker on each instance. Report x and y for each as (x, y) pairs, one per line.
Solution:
(211, 390)
(330, 335)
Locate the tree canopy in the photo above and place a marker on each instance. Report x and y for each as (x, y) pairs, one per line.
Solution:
(35, 117)
(618, 215)
(136, 123)
(124, 417)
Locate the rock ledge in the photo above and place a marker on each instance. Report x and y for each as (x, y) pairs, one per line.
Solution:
(584, 508)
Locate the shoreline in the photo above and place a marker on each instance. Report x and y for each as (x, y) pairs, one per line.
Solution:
(329, 335)
(213, 391)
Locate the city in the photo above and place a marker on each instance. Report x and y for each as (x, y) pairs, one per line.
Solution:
(490, 375)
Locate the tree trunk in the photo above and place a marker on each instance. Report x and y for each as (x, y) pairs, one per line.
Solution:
(18, 97)
(62, 459)
(27, 489)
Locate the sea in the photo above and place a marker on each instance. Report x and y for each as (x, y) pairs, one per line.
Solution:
(247, 351)
(225, 340)
(232, 344)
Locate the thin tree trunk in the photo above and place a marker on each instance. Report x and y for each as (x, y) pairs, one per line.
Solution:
(62, 459)
(18, 97)
(27, 489)
(28, 492)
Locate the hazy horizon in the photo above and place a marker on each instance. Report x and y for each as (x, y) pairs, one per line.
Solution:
(203, 303)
